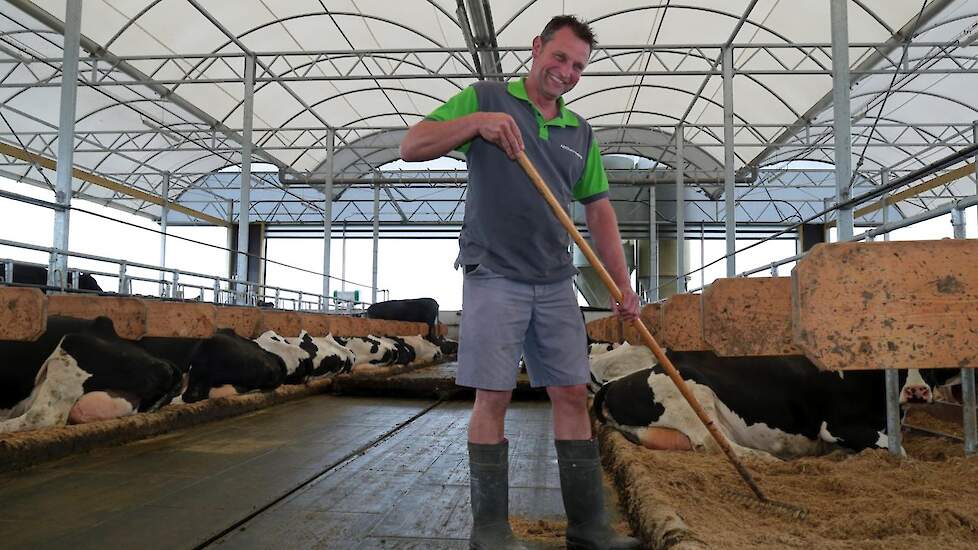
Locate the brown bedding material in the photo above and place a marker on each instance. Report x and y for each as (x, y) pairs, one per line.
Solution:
(865, 500)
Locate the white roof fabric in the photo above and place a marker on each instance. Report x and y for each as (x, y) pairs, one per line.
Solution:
(369, 68)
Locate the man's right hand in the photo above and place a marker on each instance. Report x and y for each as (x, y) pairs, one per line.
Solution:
(501, 129)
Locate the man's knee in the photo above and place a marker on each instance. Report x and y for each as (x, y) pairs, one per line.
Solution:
(568, 396)
(493, 402)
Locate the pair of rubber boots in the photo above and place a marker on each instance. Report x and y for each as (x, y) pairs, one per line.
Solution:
(580, 484)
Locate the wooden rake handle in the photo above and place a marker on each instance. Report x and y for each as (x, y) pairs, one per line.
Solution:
(647, 338)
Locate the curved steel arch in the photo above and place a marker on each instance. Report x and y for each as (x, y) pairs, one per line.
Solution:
(318, 14)
(708, 131)
(671, 88)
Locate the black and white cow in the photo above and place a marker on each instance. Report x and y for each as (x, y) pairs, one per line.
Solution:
(38, 276)
(369, 350)
(297, 356)
(423, 350)
(405, 352)
(447, 346)
(80, 371)
(328, 356)
(619, 361)
(781, 406)
(417, 310)
(226, 363)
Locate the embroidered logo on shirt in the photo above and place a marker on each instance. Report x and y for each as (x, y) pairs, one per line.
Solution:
(566, 148)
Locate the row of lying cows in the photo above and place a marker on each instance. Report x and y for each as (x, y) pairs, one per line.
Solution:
(82, 371)
(768, 406)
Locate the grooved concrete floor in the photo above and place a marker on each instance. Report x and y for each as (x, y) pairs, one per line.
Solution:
(185, 488)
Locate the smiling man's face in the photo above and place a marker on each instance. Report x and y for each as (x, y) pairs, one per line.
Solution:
(557, 64)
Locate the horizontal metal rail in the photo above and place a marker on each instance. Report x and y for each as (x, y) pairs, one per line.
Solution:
(254, 295)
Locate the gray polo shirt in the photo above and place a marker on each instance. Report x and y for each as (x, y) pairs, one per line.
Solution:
(508, 226)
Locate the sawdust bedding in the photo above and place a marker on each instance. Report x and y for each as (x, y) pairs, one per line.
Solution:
(865, 500)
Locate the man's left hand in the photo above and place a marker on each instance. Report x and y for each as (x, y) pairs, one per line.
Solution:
(628, 309)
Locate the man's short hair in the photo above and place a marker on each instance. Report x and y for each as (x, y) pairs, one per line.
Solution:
(581, 29)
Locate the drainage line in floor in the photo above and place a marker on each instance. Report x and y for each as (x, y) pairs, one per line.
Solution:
(353, 455)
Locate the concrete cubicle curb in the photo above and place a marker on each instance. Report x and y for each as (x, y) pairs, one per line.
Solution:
(657, 525)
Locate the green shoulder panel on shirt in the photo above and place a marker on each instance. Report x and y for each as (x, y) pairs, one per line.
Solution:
(593, 181)
(463, 103)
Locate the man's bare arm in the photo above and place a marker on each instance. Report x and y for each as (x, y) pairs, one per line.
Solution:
(430, 139)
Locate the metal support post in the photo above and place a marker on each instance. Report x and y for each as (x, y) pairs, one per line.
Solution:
(968, 399)
(843, 118)
(343, 261)
(217, 291)
(244, 208)
(885, 179)
(703, 255)
(729, 187)
(328, 215)
(123, 279)
(680, 213)
(175, 290)
(894, 438)
(58, 263)
(165, 192)
(373, 290)
(653, 249)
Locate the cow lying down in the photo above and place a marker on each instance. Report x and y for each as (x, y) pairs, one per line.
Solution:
(766, 406)
(91, 374)
(82, 371)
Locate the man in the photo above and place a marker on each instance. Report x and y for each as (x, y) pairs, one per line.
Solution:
(517, 292)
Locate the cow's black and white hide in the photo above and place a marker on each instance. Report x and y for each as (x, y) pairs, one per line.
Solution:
(446, 345)
(405, 352)
(780, 406)
(369, 350)
(226, 363)
(328, 357)
(80, 371)
(296, 356)
(424, 351)
(617, 362)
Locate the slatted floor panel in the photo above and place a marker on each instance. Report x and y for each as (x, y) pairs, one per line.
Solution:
(183, 489)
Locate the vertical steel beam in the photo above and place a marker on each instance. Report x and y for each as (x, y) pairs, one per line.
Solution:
(894, 438)
(328, 218)
(842, 114)
(653, 249)
(165, 192)
(680, 212)
(376, 243)
(968, 398)
(729, 187)
(58, 263)
(885, 179)
(343, 261)
(244, 208)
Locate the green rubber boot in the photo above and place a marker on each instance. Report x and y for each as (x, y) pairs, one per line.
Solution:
(581, 487)
(489, 482)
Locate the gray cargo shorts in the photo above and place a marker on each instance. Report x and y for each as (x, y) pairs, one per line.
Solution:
(502, 318)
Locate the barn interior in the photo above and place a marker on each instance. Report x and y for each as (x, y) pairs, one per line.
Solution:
(734, 127)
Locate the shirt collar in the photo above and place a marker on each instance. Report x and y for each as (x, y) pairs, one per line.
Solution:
(517, 89)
